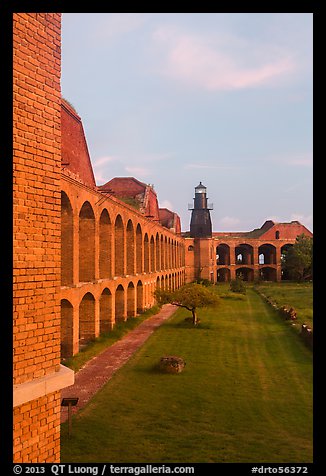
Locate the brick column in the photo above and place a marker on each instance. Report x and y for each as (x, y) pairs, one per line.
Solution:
(38, 376)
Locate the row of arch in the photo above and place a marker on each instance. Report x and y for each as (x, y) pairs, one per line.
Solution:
(247, 274)
(92, 315)
(119, 248)
(244, 254)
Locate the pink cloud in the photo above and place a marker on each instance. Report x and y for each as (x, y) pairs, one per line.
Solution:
(220, 63)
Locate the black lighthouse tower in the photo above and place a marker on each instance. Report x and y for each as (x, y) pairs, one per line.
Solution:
(200, 224)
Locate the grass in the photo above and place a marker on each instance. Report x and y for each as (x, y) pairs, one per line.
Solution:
(99, 344)
(245, 394)
(297, 295)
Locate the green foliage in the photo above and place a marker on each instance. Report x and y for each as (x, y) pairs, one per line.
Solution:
(297, 260)
(131, 201)
(237, 285)
(204, 282)
(191, 296)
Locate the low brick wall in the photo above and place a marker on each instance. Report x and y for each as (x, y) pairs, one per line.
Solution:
(289, 313)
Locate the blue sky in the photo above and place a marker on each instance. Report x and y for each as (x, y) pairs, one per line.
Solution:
(177, 98)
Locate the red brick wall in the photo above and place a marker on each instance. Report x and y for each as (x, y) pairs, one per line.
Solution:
(287, 231)
(75, 156)
(36, 226)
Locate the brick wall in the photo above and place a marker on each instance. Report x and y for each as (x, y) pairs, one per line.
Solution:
(36, 226)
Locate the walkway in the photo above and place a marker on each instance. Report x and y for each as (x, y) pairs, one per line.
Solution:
(92, 377)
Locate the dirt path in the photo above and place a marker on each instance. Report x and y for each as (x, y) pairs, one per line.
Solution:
(100, 369)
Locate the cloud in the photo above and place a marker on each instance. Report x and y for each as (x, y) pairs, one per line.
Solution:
(221, 62)
(295, 160)
(104, 160)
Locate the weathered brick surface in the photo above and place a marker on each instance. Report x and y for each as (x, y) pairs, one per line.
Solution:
(36, 226)
(36, 430)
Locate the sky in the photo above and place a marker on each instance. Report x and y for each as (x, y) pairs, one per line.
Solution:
(178, 98)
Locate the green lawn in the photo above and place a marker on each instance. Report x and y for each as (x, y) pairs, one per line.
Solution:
(297, 295)
(245, 395)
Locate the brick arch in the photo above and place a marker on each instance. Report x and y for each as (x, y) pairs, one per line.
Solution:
(120, 303)
(130, 248)
(86, 319)
(162, 252)
(67, 241)
(246, 273)
(67, 311)
(267, 273)
(157, 250)
(152, 254)
(140, 296)
(139, 249)
(106, 311)
(105, 245)
(223, 254)
(86, 243)
(246, 252)
(119, 246)
(268, 251)
(146, 254)
(131, 300)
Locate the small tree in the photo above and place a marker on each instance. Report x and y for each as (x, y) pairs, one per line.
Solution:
(190, 296)
(298, 259)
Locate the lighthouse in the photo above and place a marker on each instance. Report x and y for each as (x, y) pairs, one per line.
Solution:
(200, 223)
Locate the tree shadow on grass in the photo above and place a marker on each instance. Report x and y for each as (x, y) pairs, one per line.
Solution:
(185, 324)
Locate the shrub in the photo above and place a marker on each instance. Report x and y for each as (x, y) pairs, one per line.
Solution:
(238, 286)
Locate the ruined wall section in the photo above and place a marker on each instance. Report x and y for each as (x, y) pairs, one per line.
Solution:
(38, 375)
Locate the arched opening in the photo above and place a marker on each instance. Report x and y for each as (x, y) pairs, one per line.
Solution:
(191, 248)
(66, 329)
(284, 273)
(158, 283)
(131, 300)
(130, 248)
(139, 250)
(269, 253)
(157, 248)
(244, 254)
(146, 253)
(86, 320)
(86, 243)
(223, 275)
(277, 235)
(105, 245)
(67, 241)
(223, 254)
(119, 247)
(268, 274)
(105, 311)
(152, 254)
(247, 274)
(162, 253)
(140, 297)
(168, 255)
(120, 303)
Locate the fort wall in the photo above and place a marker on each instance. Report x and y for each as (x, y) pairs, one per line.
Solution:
(38, 375)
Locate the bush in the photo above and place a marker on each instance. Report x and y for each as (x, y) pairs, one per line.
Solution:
(237, 286)
(204, 282)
